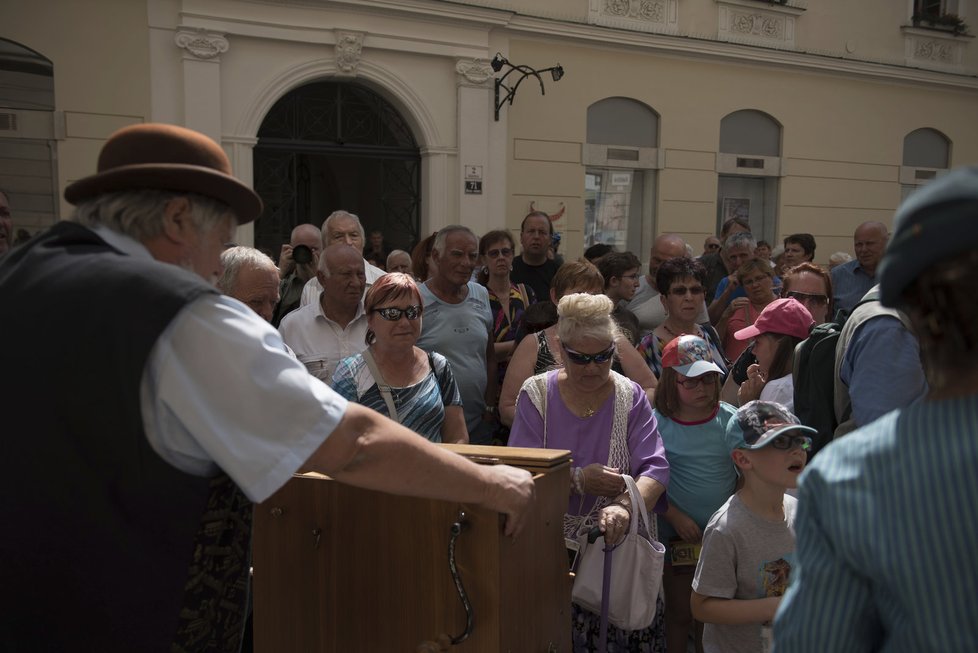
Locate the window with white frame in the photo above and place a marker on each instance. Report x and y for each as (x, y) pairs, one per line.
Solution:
(620, 160)
(926, 155)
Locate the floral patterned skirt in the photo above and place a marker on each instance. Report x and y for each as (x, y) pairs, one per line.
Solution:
(586, 631)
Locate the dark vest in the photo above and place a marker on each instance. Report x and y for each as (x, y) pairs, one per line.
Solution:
(104, 545)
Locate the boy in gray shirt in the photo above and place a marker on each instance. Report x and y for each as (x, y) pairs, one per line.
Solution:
(749, 542)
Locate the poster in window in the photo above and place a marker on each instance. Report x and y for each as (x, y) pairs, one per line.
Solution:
(736, 207)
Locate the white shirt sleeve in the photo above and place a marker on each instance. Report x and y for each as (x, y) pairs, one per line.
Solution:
(220, 391)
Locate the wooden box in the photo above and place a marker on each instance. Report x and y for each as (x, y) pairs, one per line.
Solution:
(339, 569)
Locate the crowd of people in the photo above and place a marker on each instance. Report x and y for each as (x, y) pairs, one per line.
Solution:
(683, 375)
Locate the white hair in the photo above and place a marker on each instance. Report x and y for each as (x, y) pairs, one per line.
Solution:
(336, 215)
(443, 234)
(234, 259)
(139, 214)
(839, 258)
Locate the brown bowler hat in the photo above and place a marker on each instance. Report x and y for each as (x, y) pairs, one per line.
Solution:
(166, 157)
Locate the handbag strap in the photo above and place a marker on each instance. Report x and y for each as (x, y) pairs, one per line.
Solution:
(638, 505)
(385, 390)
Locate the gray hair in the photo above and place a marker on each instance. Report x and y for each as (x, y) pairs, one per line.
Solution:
(139, 213)
(583, 315)
(397, 252)
(335, 215)
(444, 232)
(234, 259)
(741, 239)
(839, 258)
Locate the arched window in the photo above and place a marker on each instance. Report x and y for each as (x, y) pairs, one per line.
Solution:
(749, 166)
(926, 154)
(28, 143)
(621, 157)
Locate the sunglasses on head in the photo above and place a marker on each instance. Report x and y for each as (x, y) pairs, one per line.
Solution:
(818, 300)
(393, 314)
(583, 359)
(785, 442)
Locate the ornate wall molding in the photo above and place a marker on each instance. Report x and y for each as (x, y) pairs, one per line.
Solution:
(349, 46)
(201, 44)
(474, 72)
(933, 50)
(757, 23)
(658, 16)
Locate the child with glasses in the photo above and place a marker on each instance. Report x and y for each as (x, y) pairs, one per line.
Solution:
(692, 422)
(749, 544)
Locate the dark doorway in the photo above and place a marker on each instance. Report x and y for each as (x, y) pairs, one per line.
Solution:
(328, 146)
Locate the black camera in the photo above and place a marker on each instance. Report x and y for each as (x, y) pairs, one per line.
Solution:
(301, 254)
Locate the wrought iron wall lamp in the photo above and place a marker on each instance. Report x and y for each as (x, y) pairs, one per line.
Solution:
(497, 63)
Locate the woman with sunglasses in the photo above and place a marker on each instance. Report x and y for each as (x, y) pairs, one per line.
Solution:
(542, 352)
(396, 378)
(682, 283)
(605, 420)
(812, 286)
(775, 334)
(757, 279)
(508, 301)
(692, 421)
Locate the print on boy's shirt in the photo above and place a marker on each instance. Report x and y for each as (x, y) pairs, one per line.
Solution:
(775, 576)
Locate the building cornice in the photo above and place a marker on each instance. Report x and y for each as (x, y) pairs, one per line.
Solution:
(502, 16)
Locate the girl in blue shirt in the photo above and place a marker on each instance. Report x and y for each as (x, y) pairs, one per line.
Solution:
(692, 422)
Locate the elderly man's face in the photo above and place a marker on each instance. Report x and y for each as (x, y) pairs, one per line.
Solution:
(399, 263)
(345, 230)
(736, 256)
(258, 288)
(6, 225)
(456, 263)
(202, 251)
(869, 242)
(343, 288)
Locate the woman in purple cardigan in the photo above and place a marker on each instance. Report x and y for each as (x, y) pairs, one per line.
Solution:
(606, 421)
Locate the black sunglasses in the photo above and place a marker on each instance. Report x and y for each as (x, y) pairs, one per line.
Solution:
(583, 359)
(393, 314)
(818, 300)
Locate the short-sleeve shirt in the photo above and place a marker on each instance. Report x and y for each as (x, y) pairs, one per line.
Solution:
(319, 342)
(420, 407)
(744, 556)
(701, 473)
(460, 332)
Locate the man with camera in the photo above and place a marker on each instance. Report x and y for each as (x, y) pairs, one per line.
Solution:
(297, 265)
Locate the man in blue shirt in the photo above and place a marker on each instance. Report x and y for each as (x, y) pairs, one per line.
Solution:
(852, 280)
(885, 524)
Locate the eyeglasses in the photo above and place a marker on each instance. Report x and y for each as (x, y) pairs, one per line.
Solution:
(393, 314)
(682, 290)
(786, 442)
(583, 359)
(804, 297)
(691, 382)
(496, 253)
(630, 276)
(712, 247)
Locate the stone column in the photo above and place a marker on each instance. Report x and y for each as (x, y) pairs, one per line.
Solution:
(475, 84)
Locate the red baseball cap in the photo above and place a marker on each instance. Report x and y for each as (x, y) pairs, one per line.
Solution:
(785, 316)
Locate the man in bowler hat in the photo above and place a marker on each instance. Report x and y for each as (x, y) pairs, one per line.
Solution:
(142, 432)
